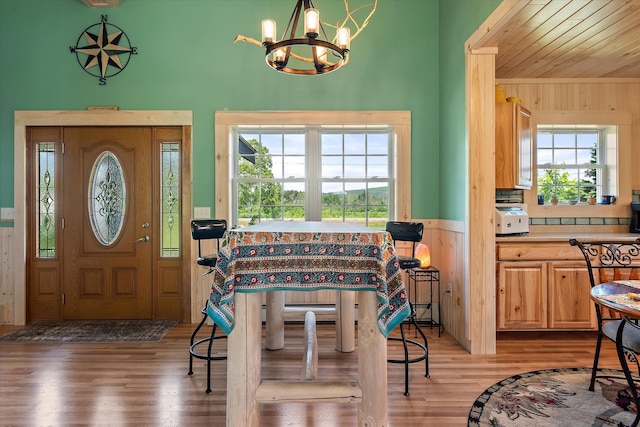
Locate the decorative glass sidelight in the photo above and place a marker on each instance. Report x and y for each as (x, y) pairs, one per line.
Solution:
(107, 198)
(170, 199)
(45, 227)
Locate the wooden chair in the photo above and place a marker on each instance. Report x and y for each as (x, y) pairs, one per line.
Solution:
(409, 232)
(206, 229)
(609, 261)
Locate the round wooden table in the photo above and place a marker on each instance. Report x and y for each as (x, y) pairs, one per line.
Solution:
(612, 295)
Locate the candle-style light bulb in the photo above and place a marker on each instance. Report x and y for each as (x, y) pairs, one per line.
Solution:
(344, 38)
(268, 31)
(311, 21)
(278, 55)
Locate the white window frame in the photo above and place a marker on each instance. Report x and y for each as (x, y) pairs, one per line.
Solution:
(400, 121)
(621, 172)
(312, 179)
(606, 154)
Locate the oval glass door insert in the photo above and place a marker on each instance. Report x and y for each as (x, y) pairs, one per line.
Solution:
(107, 198)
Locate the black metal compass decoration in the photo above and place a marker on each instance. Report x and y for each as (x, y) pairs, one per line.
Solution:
(103, 50)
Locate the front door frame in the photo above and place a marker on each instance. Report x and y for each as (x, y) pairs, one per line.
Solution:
(24, 119)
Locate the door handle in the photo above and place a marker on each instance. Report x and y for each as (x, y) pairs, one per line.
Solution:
(142, 239)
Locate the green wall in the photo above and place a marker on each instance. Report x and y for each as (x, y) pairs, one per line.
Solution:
(454, 16)
(187, 61)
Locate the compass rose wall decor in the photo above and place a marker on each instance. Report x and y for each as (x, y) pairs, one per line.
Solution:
(103, 50)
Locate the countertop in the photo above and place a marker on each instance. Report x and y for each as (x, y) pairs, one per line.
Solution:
(564, 237)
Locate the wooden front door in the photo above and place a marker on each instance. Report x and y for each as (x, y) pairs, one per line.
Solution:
(107, 262)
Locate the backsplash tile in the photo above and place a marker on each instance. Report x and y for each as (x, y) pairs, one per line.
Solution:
(517, 196)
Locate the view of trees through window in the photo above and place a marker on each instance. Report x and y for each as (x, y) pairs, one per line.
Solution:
(570, 164)
(313, 175)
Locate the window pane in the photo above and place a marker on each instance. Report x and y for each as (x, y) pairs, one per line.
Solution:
(46, 229)
(354, 166)
(331, 143)
(545, 157)
(563, 157)
(170, 195)
(331, 167)
(294, 167)
(543, 140)
(294, 144)
(377, 143)
(354, 143)
(107, 198)
(272, 143)
(587, 140)
(377, 166)
(585, 156)
(564, 140)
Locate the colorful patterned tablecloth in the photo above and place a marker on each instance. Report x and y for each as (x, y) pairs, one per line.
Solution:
(308, 256)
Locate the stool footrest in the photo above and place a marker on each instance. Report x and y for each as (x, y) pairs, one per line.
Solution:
(204, 356)
(415, 343)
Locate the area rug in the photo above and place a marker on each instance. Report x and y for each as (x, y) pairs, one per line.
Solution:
(555, 397)
(92, 331)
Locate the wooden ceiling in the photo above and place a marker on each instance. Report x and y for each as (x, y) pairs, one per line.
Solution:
(567, 39)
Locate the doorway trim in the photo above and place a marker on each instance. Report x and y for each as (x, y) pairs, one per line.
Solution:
(24, 119)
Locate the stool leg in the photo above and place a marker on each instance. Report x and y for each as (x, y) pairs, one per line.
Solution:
(193, 337)
(406, 361)
(426, 346)
(213, 334)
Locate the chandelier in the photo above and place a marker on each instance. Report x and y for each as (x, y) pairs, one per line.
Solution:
(308, 54)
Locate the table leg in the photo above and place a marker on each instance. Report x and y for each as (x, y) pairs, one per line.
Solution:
(345, 321)
(372, 364)
(244, 353)
(275, 322)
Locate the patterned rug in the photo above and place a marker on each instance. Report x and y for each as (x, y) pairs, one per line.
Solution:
(555, 397)
(92, 331)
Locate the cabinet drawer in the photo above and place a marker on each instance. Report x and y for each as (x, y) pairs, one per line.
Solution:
(538, 252)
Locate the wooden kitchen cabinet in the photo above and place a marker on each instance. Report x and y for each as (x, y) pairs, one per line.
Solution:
(541, 287)
(569, 302)
(522, 295)
(514, 146)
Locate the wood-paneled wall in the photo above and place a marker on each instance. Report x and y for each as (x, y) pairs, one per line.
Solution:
(6, 275)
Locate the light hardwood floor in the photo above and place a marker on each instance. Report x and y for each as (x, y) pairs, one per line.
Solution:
(147, 384)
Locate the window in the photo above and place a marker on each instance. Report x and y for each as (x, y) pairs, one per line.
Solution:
(575, 162)
(45, 193)
(320, 173)
(396, 124)
(170, 199)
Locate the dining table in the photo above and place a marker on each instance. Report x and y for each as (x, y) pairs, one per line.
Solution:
(622, 297)
(278, 256)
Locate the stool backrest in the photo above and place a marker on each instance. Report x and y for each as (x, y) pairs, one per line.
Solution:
(402, 231)
(205, 229)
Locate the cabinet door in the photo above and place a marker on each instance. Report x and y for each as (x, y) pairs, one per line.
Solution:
(570, 304)
(514, 159)
(522, 295)
(525, 146)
